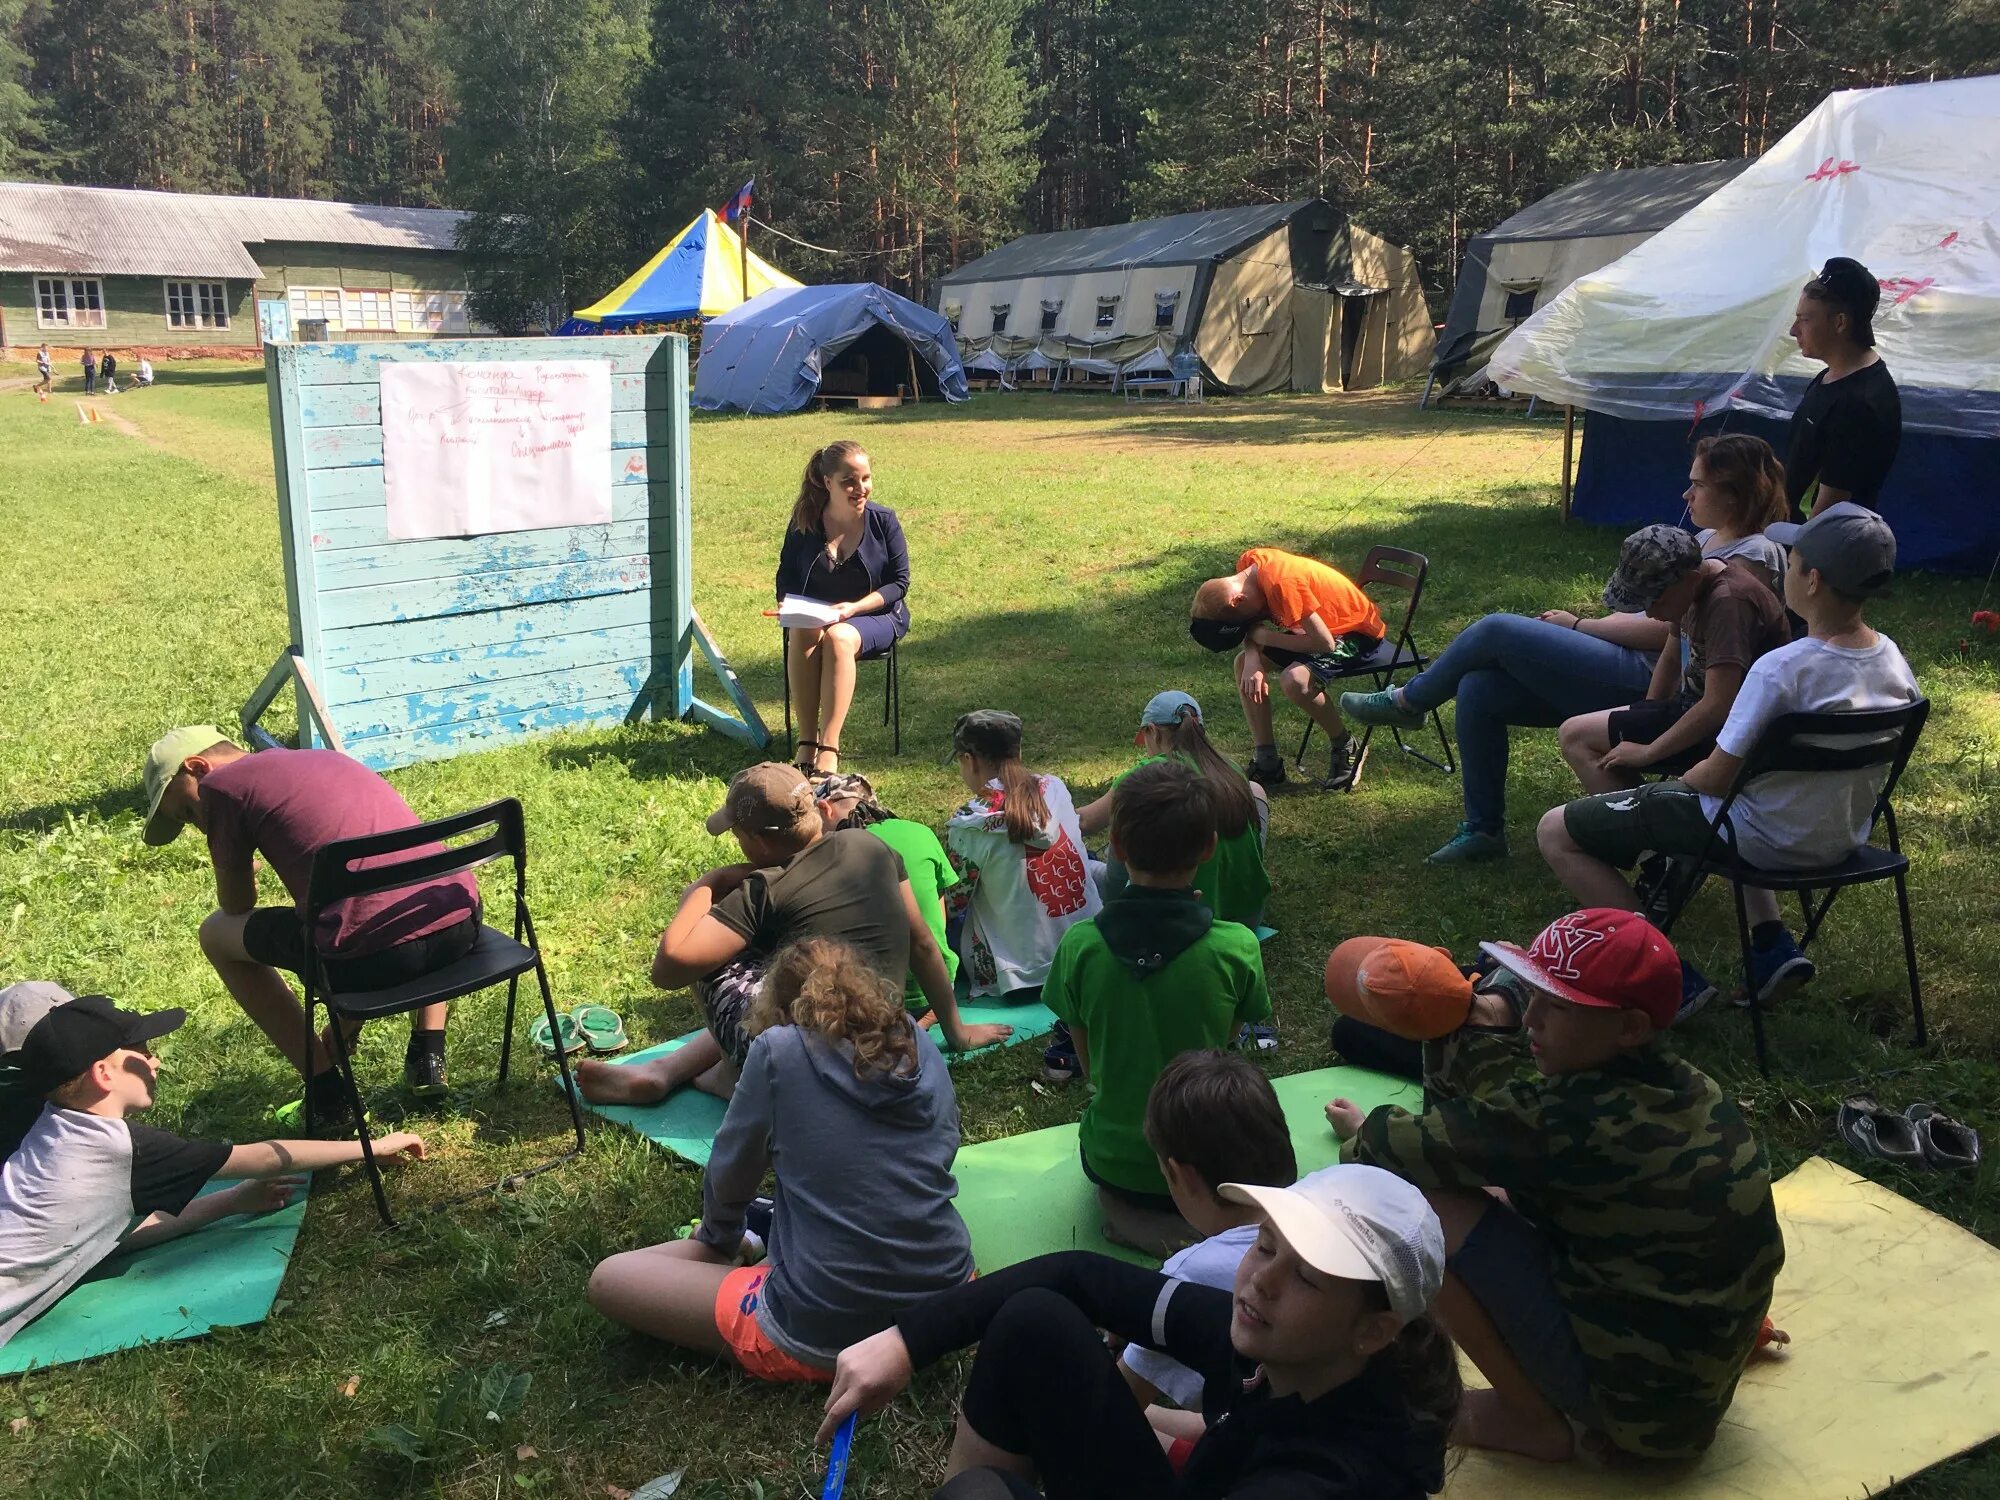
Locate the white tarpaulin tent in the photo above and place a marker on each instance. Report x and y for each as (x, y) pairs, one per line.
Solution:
(1696, 320)
(1690, 332)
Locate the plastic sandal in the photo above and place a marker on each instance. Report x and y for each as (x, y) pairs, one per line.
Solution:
(602, 1030)
(1947, 1145)
(1879, 1133)
(572, 1035)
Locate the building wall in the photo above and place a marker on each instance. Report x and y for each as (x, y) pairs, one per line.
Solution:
(135, 307)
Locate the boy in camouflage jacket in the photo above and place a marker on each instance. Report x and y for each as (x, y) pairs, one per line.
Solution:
(1621, 1283)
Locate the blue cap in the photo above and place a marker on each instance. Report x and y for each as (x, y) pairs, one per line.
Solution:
(1170, 707)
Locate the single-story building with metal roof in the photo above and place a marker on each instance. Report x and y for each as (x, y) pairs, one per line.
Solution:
(1266, 298)
(197, 272)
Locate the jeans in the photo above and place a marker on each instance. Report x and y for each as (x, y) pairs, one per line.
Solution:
(1511, 669)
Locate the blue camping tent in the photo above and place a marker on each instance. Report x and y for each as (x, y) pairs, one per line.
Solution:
(783, 347)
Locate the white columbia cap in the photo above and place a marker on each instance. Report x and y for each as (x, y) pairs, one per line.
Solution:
(1361, 1224)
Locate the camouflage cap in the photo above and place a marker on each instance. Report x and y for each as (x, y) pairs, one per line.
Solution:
(1653, 560)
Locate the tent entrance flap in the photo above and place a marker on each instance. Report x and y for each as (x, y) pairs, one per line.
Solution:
(878, 363)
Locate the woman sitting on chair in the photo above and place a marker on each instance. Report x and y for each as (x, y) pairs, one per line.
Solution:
(842, 551)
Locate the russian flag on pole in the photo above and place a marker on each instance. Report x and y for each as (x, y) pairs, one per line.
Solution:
(739, 205)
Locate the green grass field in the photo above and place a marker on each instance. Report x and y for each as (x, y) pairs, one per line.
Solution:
(1055, 542)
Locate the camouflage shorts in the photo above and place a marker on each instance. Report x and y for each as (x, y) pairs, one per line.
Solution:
(725, 996)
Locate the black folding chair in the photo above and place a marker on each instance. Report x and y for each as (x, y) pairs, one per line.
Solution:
(892, 690)
(494, 956)
(1396, 568)
(1813, 743)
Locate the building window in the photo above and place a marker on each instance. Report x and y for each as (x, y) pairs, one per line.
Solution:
(1521, 303)
(197, 304)
(69, 302)
(1051, 310)
(1000, 311)
(427, 312)
(1107, 311)
(369, 308)
(316, 302)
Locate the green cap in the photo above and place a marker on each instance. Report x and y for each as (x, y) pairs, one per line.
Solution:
(163, 763)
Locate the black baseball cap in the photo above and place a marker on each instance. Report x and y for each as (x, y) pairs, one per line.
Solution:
(1218, 635)
(66, 1041)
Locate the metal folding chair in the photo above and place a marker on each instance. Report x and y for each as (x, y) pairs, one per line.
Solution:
(1813, 743)
(340, 873)
(1396, 568)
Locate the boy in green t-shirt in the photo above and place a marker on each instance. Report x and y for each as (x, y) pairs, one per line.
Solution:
(848, 801)
(1153, 975)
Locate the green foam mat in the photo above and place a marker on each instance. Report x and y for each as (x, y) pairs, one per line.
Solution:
(223, 1276)
(1026, 1195)
(685, 1121)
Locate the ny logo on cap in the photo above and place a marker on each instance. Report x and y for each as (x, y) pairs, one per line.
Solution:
(1562, 941)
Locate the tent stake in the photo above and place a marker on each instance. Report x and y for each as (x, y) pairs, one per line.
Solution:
(1569, 443)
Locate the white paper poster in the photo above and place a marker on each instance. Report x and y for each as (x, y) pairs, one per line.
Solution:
(499, 445)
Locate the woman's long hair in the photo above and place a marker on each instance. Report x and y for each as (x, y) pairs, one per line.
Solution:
(1235, 803)
(1751, 479)
(824, 985)
(809, 510)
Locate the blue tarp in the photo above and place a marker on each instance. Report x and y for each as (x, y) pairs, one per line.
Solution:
(769, 354)
(1942, 498)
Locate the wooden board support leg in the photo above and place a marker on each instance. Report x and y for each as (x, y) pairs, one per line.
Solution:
(313, 718)
(749, 727)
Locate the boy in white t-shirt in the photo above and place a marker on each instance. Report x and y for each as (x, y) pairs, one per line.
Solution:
(1843, 557)
(1211, 1118)
(87, 1182)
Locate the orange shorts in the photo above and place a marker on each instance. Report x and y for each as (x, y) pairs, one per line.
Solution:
(736, 1320)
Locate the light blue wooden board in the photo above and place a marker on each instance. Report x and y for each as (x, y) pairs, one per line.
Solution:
(363, 521)
(485, 667)
(371, 603)
(437, 741)
(359, 364)
(361, 405)
(463, 635)
(349, 447)
(422, 562)
(428, 647)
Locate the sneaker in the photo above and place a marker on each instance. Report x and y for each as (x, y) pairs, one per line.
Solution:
(1468, 847)
(1257, 1036)
(1266, 771)
(423, 1067)
(1778, 972)
(1343, 766)
(1380, 708)
(1696, 992)
(1059, 1061)
(1653, 888)
(330, 1109)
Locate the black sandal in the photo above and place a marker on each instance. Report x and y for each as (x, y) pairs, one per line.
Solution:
(834, 751)
(805, 754)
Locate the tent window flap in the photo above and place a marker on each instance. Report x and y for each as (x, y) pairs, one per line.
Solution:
(1520, 302)
(1000, 311)
(1051, 310)
(1107, 312)
(1164, 304)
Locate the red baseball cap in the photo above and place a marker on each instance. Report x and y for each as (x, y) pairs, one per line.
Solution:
(1601, 957)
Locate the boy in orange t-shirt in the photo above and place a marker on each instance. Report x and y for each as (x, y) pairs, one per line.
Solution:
(1301, 618)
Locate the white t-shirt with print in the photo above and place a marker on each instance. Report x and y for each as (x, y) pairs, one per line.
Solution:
(1019, 898)
(1209, 1262)
(1797, 819)
(70, 1192)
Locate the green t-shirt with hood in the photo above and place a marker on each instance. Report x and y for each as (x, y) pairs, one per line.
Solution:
(1153, 975)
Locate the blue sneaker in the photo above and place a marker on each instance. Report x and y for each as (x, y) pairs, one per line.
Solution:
(1696, 992)
(1059, 1060)
(1257, 1036)
(1468, 847)
(1778, 972)
(1380, 708)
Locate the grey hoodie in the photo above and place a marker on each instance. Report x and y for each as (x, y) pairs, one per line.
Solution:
(863, 1225)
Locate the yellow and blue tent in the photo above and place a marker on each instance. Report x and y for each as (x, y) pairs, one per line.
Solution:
(698, 274)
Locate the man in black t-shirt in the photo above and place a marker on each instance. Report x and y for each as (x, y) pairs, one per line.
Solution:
(1850, 422)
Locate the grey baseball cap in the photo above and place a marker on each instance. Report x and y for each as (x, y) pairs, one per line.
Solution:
(1654, 559)
(1849, 545)
(22, 1007)
(989, 733)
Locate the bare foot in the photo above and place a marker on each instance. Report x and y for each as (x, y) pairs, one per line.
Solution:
(1485, 1421)
(719, 1080)
(611, 1083)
